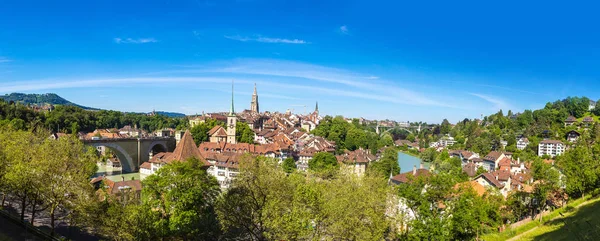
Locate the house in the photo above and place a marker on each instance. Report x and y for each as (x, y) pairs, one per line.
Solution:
(551, 148)
(491, 160)
(356, 161)
(124, 190)
(570, 121)
(409, 176)
(592, 105)
(167, 132)
(587, 121)
(224, 167)
(488, 180)
(447, 141)
(217, 134)
(572, 136)
(522, 143)
(130, 131)
(197, 120)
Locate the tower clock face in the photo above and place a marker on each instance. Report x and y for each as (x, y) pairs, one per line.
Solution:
(230, 125)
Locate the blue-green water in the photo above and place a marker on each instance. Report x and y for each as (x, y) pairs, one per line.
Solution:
(407, 162)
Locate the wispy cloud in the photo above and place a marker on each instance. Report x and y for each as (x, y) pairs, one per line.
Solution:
(5, 59)
(134, 41)
(498, 104)
(343, 30)
(266, 39)
(355, 84)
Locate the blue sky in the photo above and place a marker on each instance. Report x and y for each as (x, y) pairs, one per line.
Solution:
(416, 61)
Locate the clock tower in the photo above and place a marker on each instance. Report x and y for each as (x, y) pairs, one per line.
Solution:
(231, 121)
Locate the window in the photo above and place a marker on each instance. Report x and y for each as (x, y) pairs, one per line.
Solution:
(221, 174)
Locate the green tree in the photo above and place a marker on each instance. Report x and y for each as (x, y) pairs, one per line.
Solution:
(243, 133)
(289, 165)
(183, 196)
(387, 164)
(200, 132)
(323, 161)
(65, 166)
(580, 169)
(445, 127)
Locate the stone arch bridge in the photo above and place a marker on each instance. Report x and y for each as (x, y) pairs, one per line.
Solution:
(134, 151)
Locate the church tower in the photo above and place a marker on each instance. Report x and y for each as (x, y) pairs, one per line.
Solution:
(231, 121)
(254, 103)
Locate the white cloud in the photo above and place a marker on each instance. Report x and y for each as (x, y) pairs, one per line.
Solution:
(498, 104)
(134, 41)
(5, 59)
(266, 39)
(381, 90)
(343, 29)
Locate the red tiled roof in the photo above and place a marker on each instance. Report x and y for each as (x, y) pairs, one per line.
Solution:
(407, 176)
(146, 165)
(493, 156)
(571, 119)
(356, 156)
(217, 131)
(470, 169)
(490, 178)
(185, 149)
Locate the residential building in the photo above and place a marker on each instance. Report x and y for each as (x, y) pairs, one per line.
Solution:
(592, 105)
(587, 121)
(522, 143)
(491, 160)
(356, 161)
(551, 148)
(572, 136)
(570, 121)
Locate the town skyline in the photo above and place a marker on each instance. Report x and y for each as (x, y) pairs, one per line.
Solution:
(385, 66)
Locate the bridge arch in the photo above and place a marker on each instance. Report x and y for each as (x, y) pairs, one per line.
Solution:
(124, 157)
(156, 147)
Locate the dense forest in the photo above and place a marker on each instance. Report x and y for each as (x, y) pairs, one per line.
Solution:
(72, 119)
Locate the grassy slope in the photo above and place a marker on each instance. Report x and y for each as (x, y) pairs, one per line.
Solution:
(510, 233)
(582, 223)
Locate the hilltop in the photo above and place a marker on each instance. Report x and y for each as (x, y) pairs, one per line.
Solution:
(41, 99)
(54, 99)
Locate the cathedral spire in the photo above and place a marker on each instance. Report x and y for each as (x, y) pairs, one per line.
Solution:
(317, 107)
(231, 110)
(254, 102)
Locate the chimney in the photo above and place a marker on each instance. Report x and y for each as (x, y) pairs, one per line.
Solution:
(496, 177)
(414, 170)
(421, 166)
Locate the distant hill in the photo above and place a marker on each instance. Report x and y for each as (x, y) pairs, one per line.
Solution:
(41, 99)
(54, 99)
(170, 114)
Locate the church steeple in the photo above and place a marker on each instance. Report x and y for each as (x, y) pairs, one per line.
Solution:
(231, 121)
(317, 107)
(254, 102)
(231, 110)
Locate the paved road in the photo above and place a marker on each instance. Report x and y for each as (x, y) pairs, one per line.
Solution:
(10, 231)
